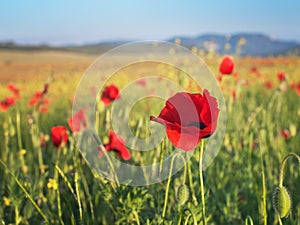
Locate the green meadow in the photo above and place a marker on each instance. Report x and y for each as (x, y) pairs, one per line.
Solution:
(43, 184)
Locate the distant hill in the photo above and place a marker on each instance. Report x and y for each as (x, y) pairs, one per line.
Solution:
(244, 44)
(247, 44)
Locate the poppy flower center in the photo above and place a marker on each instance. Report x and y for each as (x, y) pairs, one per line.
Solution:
(197, 124)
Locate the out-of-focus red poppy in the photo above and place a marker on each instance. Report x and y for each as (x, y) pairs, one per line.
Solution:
(281, 76)
(141, 82)
(219, 78)
(296, 86)
(226, 66)
(255, 71)
(43, 109)
(233, 93)
(59, 135)
(116, 144)
(35, 98)
(6, 103)
(285, 133)
(268, 84)
(109, 94)
(38, 99)
(78, 121)
(14, 90)
(188, 118)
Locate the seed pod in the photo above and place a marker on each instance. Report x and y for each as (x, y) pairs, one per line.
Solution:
(183, 194)
(281, 201)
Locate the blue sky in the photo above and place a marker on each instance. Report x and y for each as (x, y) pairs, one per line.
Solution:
(73, 21)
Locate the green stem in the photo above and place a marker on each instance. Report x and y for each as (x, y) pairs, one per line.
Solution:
(201, 181)
(248, 218)
(17, 215)
(61, 173)
(78, 195)
(136, 215)
(57, 191)
(264, 197)
(283, 165)
(59, 207)
(18, 122)
(180, 219)
(279, 219)
(262, 138)
(161, 156)
(188, 217)
(169, 181)
(191, 183)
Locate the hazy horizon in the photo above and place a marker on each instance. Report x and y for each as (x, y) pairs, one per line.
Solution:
(74, 22)
(134, 40)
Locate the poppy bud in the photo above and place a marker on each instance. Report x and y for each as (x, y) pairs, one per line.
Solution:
(183, 194)
(281, 201)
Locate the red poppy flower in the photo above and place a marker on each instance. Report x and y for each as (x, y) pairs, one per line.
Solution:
(285, 133)
(3, 106)
(269, 84)
(226, 66)
(14, 90)
(281, 76)
(188, 118)
(109, 94)
(78, 121)
(59, 135)
(236, 75)
(116, 144)
(142, 82)
(38, 97)
(43, 109)
(6, 103)
(296, 86)
(35, 98)
(255, 71)
(219, 78)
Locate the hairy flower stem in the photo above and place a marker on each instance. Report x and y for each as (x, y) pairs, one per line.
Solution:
(191, 183)
(283, 165)
(169, 181)
(201, 181)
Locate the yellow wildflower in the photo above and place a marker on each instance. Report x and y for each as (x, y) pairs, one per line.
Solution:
(6, 201)
(52, 184)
